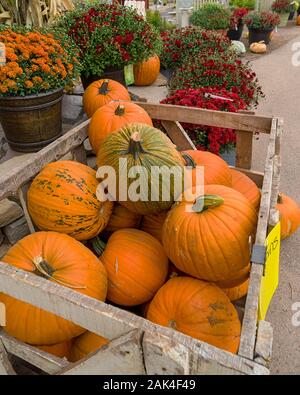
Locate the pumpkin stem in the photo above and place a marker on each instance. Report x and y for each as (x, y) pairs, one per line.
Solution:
(172, 324)
(135, 146)
(205, 202)
(103, 90)
(189, 161)
(98, 245)
(279, 199)
(120, 110)
(45, 270)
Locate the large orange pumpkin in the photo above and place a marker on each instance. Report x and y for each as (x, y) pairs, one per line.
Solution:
(237, 292)
(102, 92)
(246, 186)
(60, 259)
(112, 117)
(145, 73)
(62, 198)
(136, 266)
(289, 215)
(198, 309)
(216, 170)
(149, 149)
(209, 238)
(60, 350)
(240, 277)
(153, 224)
(122, 218)
(85, 344)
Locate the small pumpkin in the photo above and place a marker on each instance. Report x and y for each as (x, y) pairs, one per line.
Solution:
(246, 186)
(144, 146)
(153, 224)
(298, 20)
(136, 266)
(259, 47)
(198, 309)
(122, 218)
(289, 215)
(237, 292)
(61, 259)
(146, 73)
(208, 238)
(62, 198)
(112, 117)
(102, 92)
(60, 350)
(216, 170)
(85, 344)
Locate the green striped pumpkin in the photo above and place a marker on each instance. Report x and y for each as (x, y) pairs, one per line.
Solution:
(62, 198)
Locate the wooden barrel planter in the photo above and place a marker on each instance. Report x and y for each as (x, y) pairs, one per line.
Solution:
(31, 122)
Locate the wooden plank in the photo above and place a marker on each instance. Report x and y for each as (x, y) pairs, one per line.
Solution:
(98, 317)
(249, 327)
(79, 154)
(12, 181)
(5, 366)
(122, 356)
(46, 362)
(244, 149)
(264, 343)
(237, 121)
(256, 176)
(23, 199)
(178, 135)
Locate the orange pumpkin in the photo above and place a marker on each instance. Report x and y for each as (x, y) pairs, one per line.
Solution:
(239, 278)
(60, 259)
(153, 224)
(62, 198)
(209, 237)
(112, 117)
(198, 309)
(289, 215)
(60, 350)
(298, 20)
(216, 170)
(237, 292)
(85, 344)
(122, 218)
(102, 92)
(136, 266)
(246, 186)
(145, 73)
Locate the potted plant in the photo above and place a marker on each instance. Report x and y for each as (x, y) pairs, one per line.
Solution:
(36, 70)
(109, 37)
(211, 16)
(260, 25)
(236, 23)
(282, 7)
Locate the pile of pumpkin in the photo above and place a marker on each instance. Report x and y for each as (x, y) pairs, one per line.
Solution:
(180, 264)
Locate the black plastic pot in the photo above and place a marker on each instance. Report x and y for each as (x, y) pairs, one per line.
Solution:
(236, 34)
(167, 73)
(291, 16)
(256, 35)
(112, 74)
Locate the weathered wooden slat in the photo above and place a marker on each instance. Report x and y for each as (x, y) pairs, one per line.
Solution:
(264, 342)
(79, 154)
(5, 366)
(46, 362)
(248, 334)
(178, 135)
(244, 149)
(120, 356)
(19, 175)
(22, 199)
(242, 122)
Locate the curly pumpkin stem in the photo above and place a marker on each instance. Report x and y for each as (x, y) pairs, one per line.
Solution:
(103, 90)
(98, 245)
(120, 110)
(189, 161)
(135, 146)
(205, 202)
(45, 270)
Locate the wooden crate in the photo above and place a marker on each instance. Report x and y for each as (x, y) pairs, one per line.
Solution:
(138, 346)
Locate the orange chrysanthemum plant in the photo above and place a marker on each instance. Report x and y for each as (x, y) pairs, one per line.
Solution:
(35, 62)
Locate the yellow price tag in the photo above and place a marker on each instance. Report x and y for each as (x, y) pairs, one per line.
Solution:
(269, 281)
